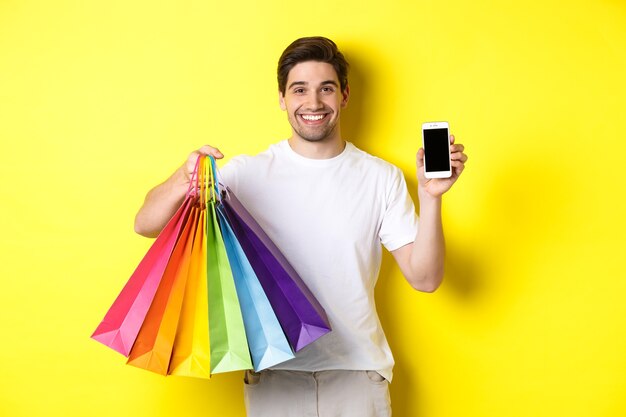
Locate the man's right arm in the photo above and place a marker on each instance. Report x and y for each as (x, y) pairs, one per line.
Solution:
(163, 200)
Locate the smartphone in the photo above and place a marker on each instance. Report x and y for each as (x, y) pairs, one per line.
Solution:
(436, 141)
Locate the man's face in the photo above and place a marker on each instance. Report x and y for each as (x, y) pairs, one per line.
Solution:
(313, 100)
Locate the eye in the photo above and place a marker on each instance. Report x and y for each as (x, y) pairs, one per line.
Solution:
(328, 89)
(298, 90)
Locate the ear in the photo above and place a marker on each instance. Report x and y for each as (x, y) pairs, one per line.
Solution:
(345, 94)
(281, 101)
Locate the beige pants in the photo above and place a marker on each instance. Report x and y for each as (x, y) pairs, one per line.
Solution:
(316, 394)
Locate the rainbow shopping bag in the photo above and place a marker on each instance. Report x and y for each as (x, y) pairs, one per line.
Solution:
(213, 293)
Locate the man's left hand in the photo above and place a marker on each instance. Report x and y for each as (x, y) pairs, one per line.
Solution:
(435, 187)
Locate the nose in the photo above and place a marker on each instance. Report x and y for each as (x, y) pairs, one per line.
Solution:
(314, 102)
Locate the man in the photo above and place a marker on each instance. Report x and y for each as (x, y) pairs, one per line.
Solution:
(328, 206)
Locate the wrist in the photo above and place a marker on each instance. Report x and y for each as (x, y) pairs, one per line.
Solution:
(178, 182)
(426, 198)
(429, 205)
(181, 175)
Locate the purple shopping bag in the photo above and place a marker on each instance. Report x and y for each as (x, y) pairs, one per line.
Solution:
(300, 314)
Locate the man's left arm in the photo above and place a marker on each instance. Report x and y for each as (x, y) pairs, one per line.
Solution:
(421, 262)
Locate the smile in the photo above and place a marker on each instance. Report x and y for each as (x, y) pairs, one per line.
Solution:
(313, 117)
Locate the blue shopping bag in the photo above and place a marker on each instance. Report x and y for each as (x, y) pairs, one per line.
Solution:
(266, 339)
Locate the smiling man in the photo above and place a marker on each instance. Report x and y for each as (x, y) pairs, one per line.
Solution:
(330, 208)
(313, 100)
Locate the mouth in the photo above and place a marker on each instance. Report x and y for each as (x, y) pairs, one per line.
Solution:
(312, 118)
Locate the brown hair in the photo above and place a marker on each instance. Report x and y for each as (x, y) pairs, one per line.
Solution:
(315, 48)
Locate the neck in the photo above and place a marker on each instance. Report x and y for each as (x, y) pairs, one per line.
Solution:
(324, 149)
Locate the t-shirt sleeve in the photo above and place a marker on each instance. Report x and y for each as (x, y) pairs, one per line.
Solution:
(400, 222)
(229, 174)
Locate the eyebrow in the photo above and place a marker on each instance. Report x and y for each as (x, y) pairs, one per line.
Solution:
(304, 83)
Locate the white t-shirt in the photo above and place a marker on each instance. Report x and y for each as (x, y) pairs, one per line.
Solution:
(329, 218)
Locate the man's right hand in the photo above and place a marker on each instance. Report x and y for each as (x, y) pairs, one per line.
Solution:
(163, 200)
(189, 166)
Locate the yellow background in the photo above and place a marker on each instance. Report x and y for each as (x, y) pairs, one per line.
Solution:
(101, 100)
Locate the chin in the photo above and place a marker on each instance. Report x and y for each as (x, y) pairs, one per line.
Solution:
(322, 136)
(314, 139)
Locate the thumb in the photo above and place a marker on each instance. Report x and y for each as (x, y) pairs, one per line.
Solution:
(420, 158)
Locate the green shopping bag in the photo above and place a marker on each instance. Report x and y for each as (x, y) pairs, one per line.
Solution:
(227, 335)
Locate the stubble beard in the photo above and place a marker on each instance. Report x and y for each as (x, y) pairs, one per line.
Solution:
(312, 134)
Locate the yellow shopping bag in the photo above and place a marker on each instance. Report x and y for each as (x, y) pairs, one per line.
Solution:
(191, 354)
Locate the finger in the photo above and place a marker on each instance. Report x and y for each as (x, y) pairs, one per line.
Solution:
(420, 157)
(457, 164)
(210, 150)
(192, 160)
(457, 168)
(451, 139)
(458, 156)
(193, 157)
(457, 148)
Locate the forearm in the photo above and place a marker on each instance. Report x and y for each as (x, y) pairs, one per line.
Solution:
(161, 203)
(427, 254)
(422, 262)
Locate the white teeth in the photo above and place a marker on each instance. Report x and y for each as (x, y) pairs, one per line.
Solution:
(312, 117)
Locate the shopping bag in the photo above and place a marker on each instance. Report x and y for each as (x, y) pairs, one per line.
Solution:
(266, 340)
(229, 345)
(191, 352)
(153, 347)
(120, 326)
(301, 316)
(211, 291)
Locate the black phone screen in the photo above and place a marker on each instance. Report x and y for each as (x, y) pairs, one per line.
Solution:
(436, 150)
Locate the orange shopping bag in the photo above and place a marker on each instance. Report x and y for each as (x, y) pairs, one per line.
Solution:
(153, 348)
